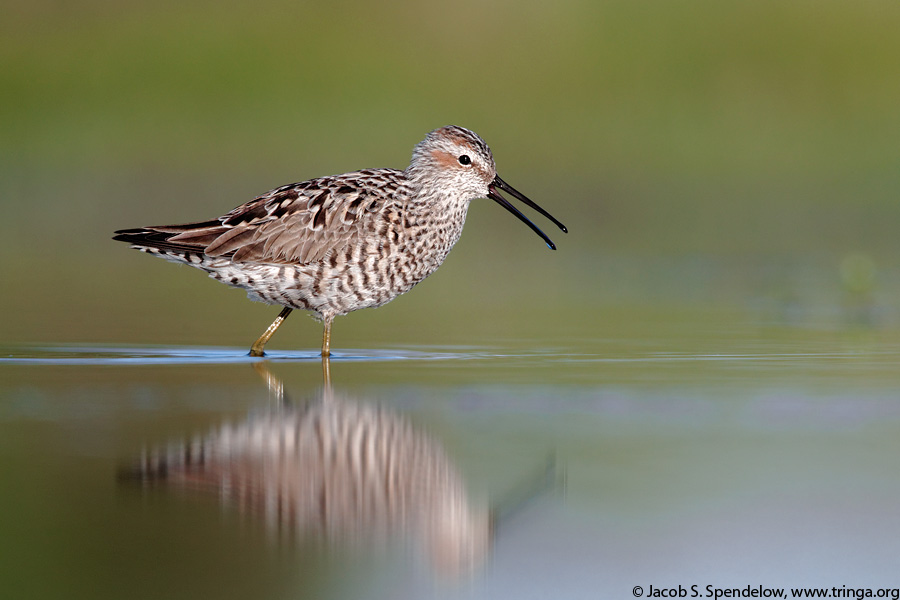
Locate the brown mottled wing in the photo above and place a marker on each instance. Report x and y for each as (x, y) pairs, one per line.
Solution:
(295, 224)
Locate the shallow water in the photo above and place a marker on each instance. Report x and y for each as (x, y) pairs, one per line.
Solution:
(686, 454)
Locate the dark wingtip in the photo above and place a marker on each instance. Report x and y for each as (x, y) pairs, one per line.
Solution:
(129, 235)
(145, 237)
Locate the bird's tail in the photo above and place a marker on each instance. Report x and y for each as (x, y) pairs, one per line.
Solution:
(180, 243)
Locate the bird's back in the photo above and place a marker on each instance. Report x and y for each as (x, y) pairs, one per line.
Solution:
(330, 245)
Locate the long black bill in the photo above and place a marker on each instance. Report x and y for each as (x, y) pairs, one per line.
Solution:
(496, 197)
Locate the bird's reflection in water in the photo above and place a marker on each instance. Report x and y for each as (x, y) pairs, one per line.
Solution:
(349, 473)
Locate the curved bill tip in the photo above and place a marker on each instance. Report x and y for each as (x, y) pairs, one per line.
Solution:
(499, 183)
(494, 195)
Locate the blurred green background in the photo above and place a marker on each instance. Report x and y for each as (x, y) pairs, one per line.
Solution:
(706, 155)
(711, 352)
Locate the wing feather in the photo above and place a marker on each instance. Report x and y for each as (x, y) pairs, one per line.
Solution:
(300, 223)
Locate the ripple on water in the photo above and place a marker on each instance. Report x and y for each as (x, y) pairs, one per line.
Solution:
(196, 355)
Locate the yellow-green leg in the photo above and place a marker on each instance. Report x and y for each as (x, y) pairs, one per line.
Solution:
(326, 338)
(257, 348)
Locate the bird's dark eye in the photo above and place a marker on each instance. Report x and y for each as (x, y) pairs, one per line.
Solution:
(465, 160)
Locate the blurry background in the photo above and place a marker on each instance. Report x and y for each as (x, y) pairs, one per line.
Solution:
(740, 156)
(711, 354)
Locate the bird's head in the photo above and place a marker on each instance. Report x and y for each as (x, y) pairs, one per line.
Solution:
(455, 163)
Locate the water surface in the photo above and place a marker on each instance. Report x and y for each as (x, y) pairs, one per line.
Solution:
(753, 454)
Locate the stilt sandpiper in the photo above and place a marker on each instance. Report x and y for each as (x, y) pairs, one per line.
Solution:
(337, 244)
